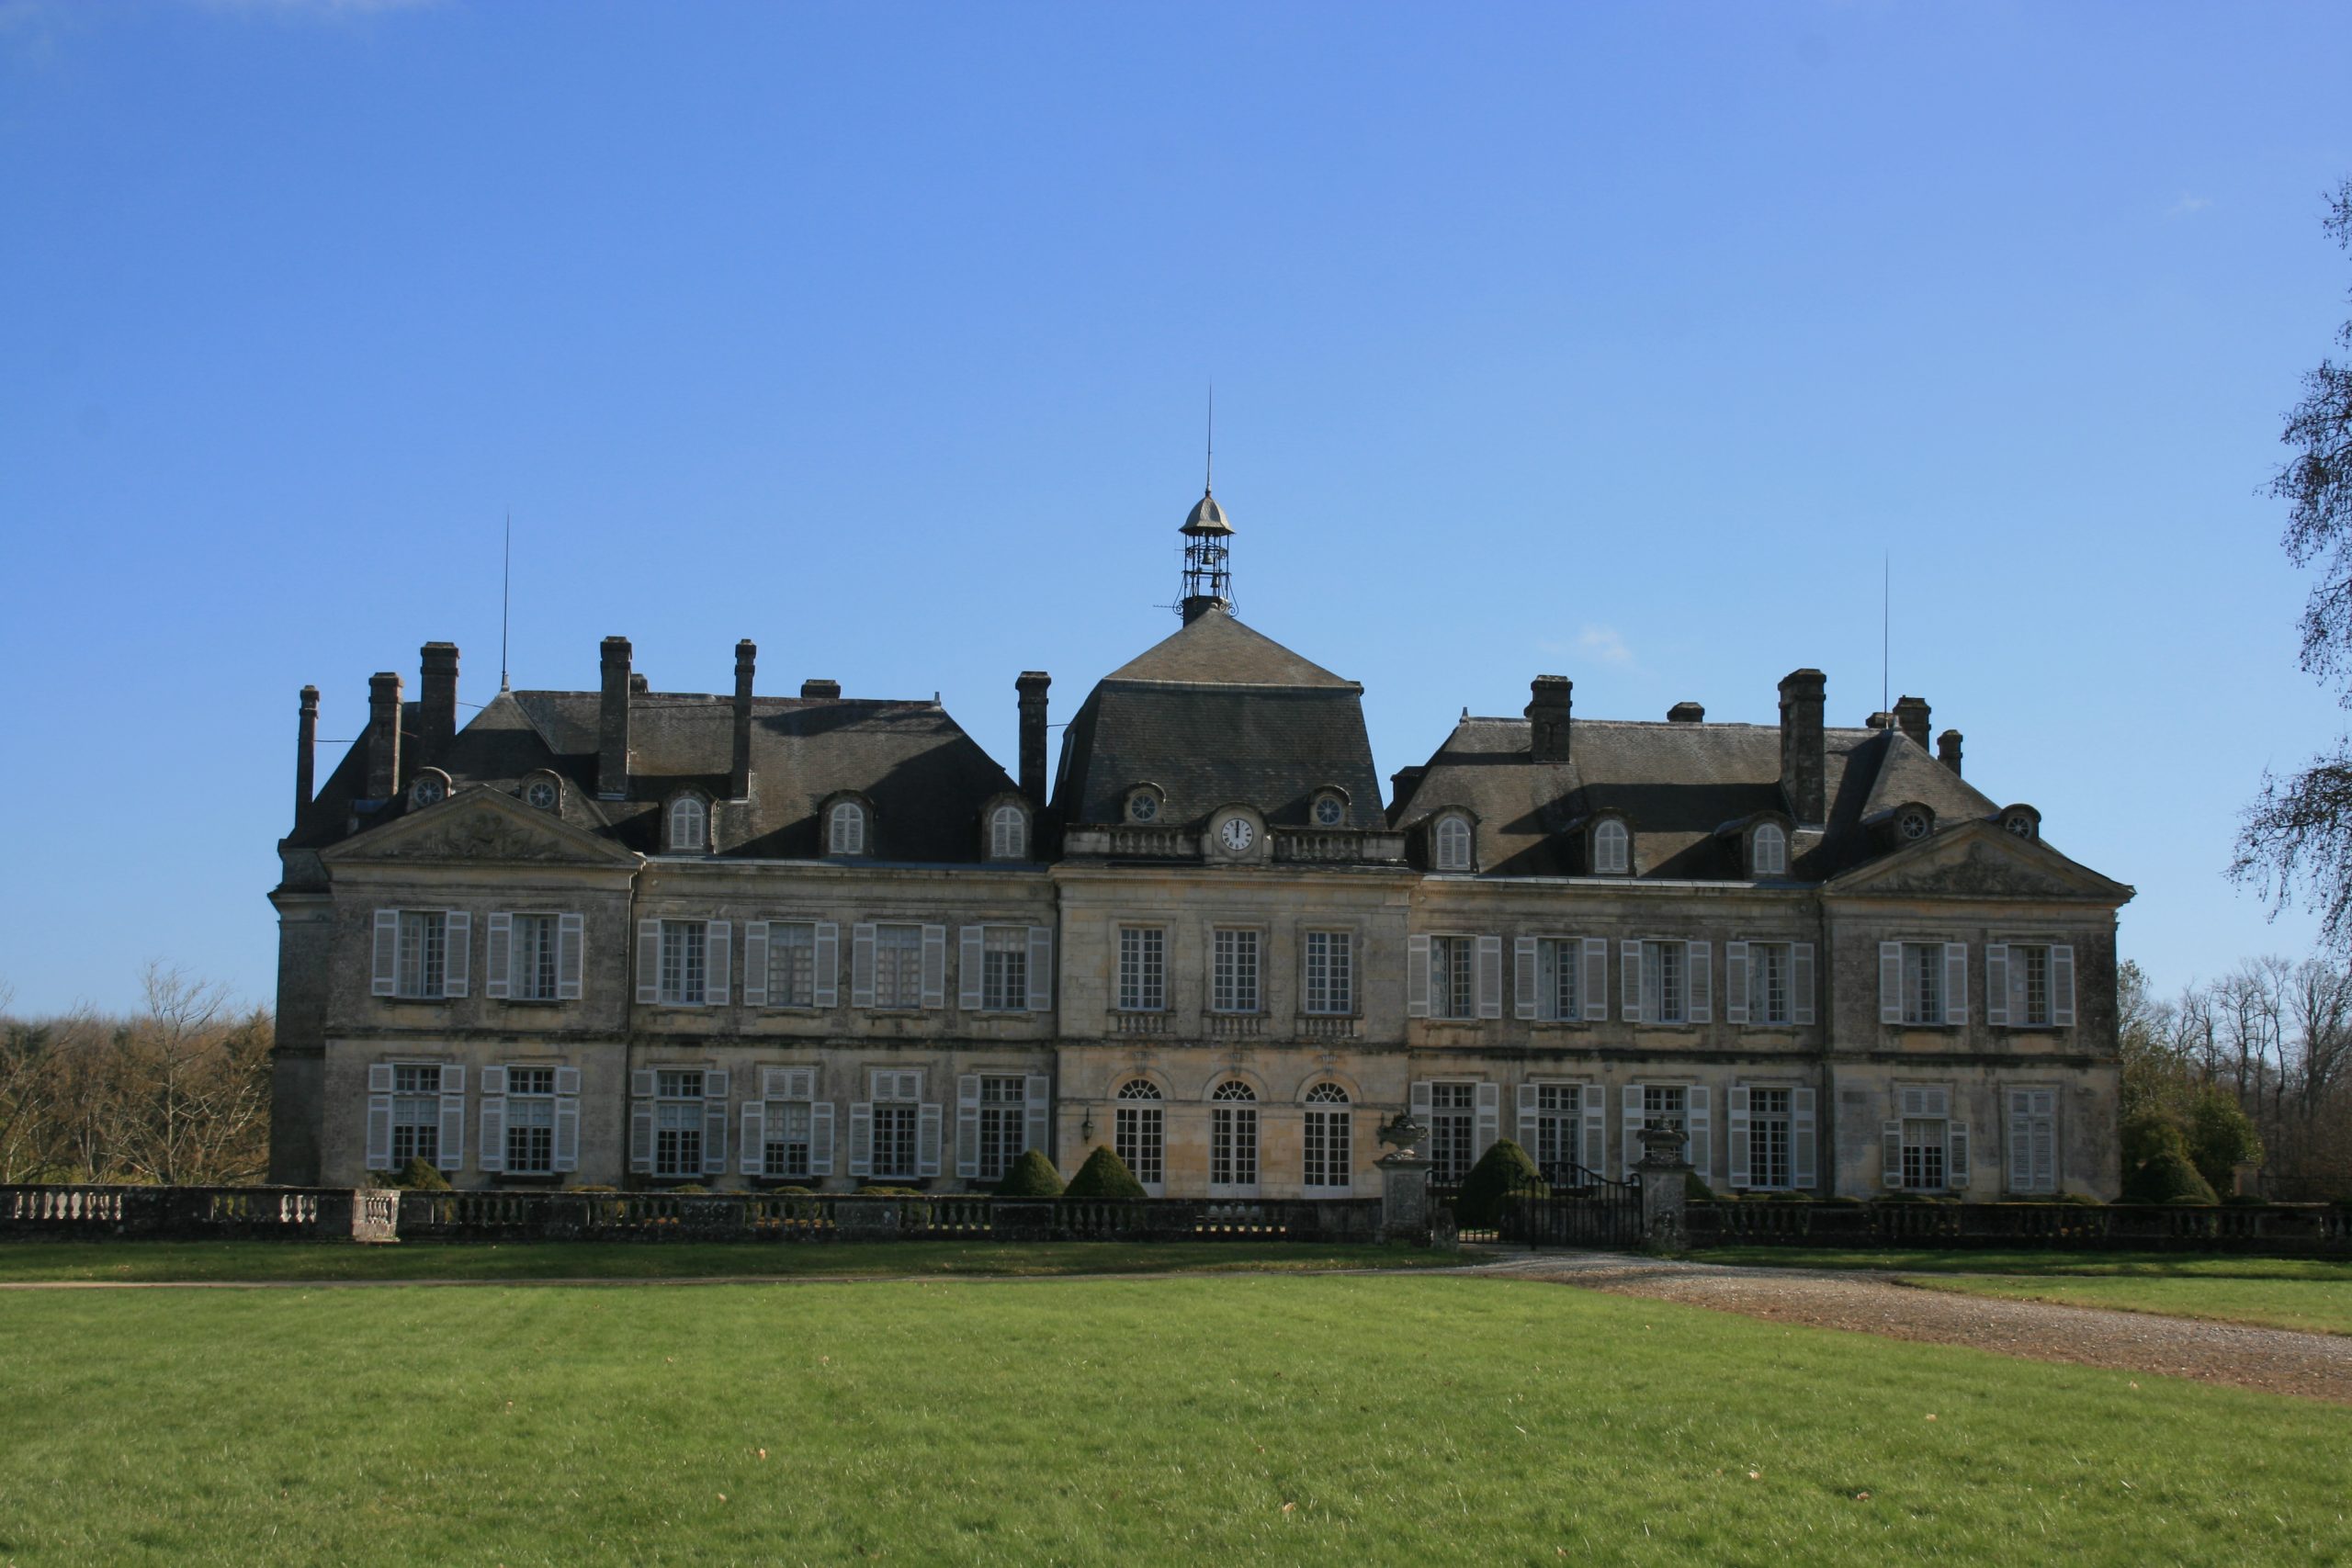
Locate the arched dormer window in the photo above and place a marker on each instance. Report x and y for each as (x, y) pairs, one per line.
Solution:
(689, 826)
(1612, 848)
(1767, 850)
(430, 788)
(1450, 843)
(1008, 833)
(845, 829)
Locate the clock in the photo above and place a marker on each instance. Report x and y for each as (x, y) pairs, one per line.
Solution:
(1329, 811)
(1237, 834)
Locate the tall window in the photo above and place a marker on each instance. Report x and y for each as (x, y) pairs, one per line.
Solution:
(1139, 1134)
(1453, 844)
(1931, 1148)
(1559, 1116)
(787, 1130)
(1768, 1137)
(1453, 992)
(894, 1126)
(792, 963)
(1611, 849)
(1005, 1124)
(1453, 1132)
(677, 1122)
(1768, 981)
(532, 967)
(1923, 982)
(1559, 978)
(845, 829)
(1330, 971)
(1233, 974)
(1768, 849)
(1666, 982)
(1004, 969)
(416, 1114)
(1330, 1141)
(1233, 1135)
(1665, 1106)
(530, 1121)
(2034, 1140)
(1008, 833)
(685, 952)
(1143, 969)
(897, 966)
(1924, 1143)
(423, 952)
(689, 820)
(2030, 987)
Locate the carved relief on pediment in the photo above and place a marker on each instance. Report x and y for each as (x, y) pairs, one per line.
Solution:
(480, 838)
(1978, 870)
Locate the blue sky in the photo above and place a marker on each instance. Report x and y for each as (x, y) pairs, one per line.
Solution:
(1620, 342)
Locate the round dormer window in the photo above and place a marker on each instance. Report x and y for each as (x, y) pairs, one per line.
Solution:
(1143, 806)
(542, 795)
(431, 788)
(2018, 823)
(1913, 824)
(1329, 811)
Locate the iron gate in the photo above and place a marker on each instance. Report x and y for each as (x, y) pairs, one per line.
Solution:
(1583, 1209)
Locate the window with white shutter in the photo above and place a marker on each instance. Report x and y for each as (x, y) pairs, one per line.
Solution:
(677, 1122)
(529, 1113)
(1490, 977)
(682, 972)
(2032, 1153)
(1557, 987)
(414, 958)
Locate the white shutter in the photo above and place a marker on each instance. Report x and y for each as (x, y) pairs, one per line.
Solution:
(861, 1138)
(1037, 1099)
(755, 964)
(1041, 968)
(753, 1155)
(821, 1138)
(1596, 982)
(387, 980)
(498, 954)
(493, 1154)
(1890, 1152)
(452, 1152)
(1702, 970)
(910, 1086)
(935, 966)
(719, 942)
(457, 953)
(1955, 982)
(1527, 1092)
(861, 993)
(967, 1120)
(714, 1123)
(1735, 1135)
(1489, 1099)
(567, 1119)
(380, 1078)
(1490, 977)
(2062, 987)
(825, 961)
(1596, 1129)
(1956, 1155)
(1523, 976)
(1801, 983)
(2045, 1140)
(800, 1083)
(1890, 982)
(927, 1139)
(640, 1119)
(1632, 1129)
(379, 1124)
(1800, 1137)
(1629, 988)
(1417, 978)
(2020, 1149)
(1734, 982)
(1701, 1143)
(648, 969)
(1419, 1099)
(570, 956)
(566, 1081)
(968, 960)
(1996, 985)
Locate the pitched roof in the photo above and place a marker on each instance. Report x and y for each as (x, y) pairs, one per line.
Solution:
(1215, 648)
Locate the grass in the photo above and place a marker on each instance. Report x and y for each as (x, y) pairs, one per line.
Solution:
(2310, 1293)
(315, 1262)
(1246, 1419)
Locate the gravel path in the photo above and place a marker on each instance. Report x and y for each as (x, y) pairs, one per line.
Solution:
(2275, 1361)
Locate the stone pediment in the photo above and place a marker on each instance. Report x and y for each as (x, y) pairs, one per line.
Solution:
(480, 824)
(1978, 859)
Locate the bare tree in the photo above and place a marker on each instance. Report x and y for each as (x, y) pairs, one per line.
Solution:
(190, 1091)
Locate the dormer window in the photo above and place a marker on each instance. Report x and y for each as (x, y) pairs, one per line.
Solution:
(1453, 844)
(845, 829)
(1329, 810)
(1612, 848)
(1914, 823)
(689, 826)
(1008, 833)
(1143, 804)
(431, 788)
(543, 791)
(1767, 850)
(2021, 821)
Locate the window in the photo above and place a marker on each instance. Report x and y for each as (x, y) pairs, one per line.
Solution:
(677, 1119)
(689, 822)
(1330, 1142)
(1923, 1154)
(1559, 1116)
(1330, 971)
(896, 1111)
(1924, 1150)
(685, 952)
(2034, 1140)
(1143, 805)
(1453, 992)
(1004, 1124)
(431, 788)
(1923, 982)
(1004, 970)
(789, 1131)
(416, 1115)
(544, 793)
(1559, 979)
(1769, 1133)
(1767, 982)
(533, 957)
(1453, 1132)
(1233, 1135)
(1008, 833)
(845, 829)
(1769, 850)
(792, 963)
(1234, 971)
(1611, 849)
(1143, 969)
(1329, 810)
(897, 966)
(1139, 1131)
(1453, 844)
(424, 953)
(2030, 985)
(1666, 982)
(530, 1121)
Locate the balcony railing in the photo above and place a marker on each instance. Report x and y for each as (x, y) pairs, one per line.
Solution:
(1142, 1023)
(1327, 845)
(1326, 1026)
(1233, 1025)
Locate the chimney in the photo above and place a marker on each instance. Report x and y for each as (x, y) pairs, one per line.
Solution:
(738, 783)
(1805, 764)
(1947, 750)
(436, 708)
(1547, 715)
(1032, 684)
(612, 722)
(1911, 717)
(306, 740)
(829, 689)
(383, 734)
(1686, 713)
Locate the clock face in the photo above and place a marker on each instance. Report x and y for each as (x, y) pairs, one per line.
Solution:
(1328, 812)
(1237, 834)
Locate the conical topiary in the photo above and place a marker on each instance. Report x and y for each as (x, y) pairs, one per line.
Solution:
(2167, 1179)
(1032, 1175)
(422, 1175)
(1503, 1169)
(1104, 1175)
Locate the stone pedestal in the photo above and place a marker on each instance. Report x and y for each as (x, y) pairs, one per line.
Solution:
(1664, 1176)
(361, 1213)
(1405, 1206)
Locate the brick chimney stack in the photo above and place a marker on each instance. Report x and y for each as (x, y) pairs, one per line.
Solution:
(1547, 715)
(383, 734)
(306, 742)
(612, 722)
(747, 655)
(1947, 750)
(1032, 685)
(1805, 760)
(437, 708)
(1911, 717)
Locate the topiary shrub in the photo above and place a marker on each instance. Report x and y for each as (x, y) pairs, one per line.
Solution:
(1032, 1175)
(2148, 1134)
(422, 1175)
(1789, 1197)
(794, 1191)
(1104, 1175)
(2167, 1179)
(1505, 1168)
(1695, 1190)
(2220, 1138)
(692, 1189)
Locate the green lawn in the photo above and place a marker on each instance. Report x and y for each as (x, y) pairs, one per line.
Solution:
(1245, 1419)
(2310, 1293)
(162, 1261)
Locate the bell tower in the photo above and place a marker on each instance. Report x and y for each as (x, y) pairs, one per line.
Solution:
(1208, 566)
